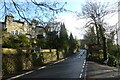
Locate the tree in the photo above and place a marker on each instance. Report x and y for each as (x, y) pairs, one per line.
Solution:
(24, 41)
(72, 44)
(90, 37)
(96, 13)
(39, 10)
(15, 41)
(41, 41)
(78, 45)
(64, 44)
(52, 39)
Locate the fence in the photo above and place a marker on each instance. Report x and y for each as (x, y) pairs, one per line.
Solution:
(16, 60)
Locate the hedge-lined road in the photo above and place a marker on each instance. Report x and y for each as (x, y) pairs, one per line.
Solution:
(72, 67)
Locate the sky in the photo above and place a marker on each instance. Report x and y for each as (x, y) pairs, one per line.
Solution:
(77, 26)
(72, 23)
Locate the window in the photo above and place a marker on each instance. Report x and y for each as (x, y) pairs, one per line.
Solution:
(25, 29)
(33, 26)
(9, 21)
(16, 32)
(44, 34)
(12, 32)
(20, 33)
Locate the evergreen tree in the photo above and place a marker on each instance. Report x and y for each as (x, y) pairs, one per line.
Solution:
(64, 39)
(72, 44)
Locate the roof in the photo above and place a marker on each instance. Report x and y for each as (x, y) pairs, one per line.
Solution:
(38, 26)
(2, 23)
(10, 15)
(18, 21)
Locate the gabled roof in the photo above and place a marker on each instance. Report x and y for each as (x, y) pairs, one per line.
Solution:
(18, 21)
(10, 15)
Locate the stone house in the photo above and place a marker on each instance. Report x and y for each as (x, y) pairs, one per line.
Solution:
(17, 27)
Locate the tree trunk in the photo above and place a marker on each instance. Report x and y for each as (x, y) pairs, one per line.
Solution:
(104, 42)
(97, 31)
(104, 48)
(50, 50)
(57, 53)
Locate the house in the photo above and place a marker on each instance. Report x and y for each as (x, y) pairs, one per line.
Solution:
(16, 27)
(2, 26)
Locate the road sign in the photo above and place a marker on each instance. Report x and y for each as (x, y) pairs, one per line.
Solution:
(37, 49)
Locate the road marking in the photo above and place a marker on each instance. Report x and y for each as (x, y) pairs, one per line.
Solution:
(81, 70)
(25, 73)
(84, 61)
(41, 67)
(80, 76)
(33, 70)
(83, 67)
(59, 61)
(20, 75)
(86, 70)
(84, 64)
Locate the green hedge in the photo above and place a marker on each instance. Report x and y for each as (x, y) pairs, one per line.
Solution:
(111, 60)
(97, 57)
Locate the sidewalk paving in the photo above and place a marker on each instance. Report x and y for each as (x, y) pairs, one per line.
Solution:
(97, 71)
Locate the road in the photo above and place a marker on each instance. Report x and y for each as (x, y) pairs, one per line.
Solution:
(72, 67)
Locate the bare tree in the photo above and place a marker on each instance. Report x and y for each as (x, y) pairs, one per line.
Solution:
(32, 9)
(96, 12)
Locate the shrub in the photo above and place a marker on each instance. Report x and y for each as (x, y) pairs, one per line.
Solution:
(111, 60)
(97, 57)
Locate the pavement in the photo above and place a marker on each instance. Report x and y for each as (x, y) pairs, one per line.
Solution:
(71, 67)
(100, 72)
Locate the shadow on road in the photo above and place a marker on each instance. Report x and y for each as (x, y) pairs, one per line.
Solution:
(100, 72)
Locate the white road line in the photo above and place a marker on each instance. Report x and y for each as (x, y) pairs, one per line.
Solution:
(41, 67)
(83, 66)
(84, 61)
(59, 61)
(25, 73)
(33, 70)
(80, 76)
(85, 70)
(20, 75)
(82, 71)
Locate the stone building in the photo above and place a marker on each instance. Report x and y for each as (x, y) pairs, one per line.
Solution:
(17, 27)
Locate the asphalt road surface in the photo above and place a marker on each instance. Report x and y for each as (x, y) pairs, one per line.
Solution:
(72, 67)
